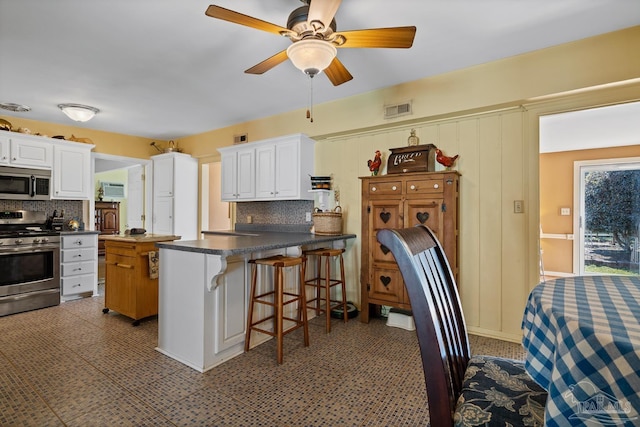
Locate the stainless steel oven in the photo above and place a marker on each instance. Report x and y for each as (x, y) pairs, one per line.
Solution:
(29, 265)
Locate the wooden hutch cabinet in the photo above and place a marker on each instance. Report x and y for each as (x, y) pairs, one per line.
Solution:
(402, 201)
(107, 221)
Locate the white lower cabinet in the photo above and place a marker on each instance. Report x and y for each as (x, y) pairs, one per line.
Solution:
(78, 265)
(197, 326)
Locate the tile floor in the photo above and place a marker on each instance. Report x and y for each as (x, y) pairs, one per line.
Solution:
(72, 365)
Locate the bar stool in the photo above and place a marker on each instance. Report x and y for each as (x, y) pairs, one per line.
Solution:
(326, 283)
(277, 298)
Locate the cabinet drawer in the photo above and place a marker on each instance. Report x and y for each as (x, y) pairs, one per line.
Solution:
(80, 241)
(73, 255)
(425, 186)
(120, 261)
(77, 268)
(77, 284)
(385, 188)
(120, 249)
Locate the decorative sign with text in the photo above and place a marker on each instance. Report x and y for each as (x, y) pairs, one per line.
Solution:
(417, 158)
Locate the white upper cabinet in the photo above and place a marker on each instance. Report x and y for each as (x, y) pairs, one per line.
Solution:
(70, 162)
(163, 178)
(280, 170)
(72, 171)
(238, 174)
(26, 151)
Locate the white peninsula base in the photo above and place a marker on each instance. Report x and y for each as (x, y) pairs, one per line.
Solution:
(198, 327)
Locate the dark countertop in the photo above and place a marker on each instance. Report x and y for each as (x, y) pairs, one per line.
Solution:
(70, 232)
(228, 243)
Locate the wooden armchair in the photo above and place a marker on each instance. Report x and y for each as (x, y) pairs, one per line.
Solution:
(461, 390)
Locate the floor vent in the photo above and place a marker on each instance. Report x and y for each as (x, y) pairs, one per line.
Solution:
(240, 139)
(397, 110)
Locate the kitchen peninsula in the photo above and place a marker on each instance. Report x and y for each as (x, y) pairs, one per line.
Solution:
(204, 288)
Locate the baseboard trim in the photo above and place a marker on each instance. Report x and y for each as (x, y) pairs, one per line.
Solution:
(517, 338)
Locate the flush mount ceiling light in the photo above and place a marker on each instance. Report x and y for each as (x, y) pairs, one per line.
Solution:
(18, 108)
(78, 112)
(311, 56)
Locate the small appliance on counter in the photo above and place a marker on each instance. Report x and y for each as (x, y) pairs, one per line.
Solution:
(55, 222)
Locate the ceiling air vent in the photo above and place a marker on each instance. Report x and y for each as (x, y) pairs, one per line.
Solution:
(240, 139)
(397, 110)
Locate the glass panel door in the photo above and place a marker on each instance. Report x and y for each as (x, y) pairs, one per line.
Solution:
(609, 200)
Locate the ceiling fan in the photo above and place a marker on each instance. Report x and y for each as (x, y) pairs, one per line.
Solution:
(312, 31)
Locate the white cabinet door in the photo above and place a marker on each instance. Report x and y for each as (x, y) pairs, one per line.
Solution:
(163, 215)
(231, 301)
(287, 170)
(31, 153)
(238, 175)
(4, 150)
(265, 171)
(163, 177)
(229, 176)
(71, 172)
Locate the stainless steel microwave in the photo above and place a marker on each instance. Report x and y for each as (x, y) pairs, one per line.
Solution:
(24, 184)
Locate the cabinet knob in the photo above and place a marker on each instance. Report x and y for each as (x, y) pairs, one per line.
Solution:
(413, 187)
(78, 242)
(14, 159)
(373, 188)
(436, 186)
(394, 188)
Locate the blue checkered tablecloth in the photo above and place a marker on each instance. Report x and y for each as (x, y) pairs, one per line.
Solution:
(582, 337)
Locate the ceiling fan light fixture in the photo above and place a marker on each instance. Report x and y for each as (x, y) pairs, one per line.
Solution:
(311, 56)
(78, 112)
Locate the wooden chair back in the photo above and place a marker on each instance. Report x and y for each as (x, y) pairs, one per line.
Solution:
(437, 313)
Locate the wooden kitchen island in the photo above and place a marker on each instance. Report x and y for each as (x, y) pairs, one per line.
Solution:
(204, 290)
(130, 286)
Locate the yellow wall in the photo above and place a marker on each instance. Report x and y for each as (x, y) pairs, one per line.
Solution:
(489, 115)
(105, 142)
(556, 191)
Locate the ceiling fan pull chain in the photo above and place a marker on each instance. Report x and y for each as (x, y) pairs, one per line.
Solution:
(310, 109)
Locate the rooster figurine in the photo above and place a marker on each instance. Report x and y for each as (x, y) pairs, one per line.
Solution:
(445, 161)
(374, 165)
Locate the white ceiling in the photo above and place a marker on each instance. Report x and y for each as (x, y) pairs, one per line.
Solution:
(163, 69)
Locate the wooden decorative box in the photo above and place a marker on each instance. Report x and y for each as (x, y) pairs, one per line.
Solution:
(416, 158)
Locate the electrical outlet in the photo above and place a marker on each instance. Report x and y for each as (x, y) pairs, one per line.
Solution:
(308, 217)
(518, 206)
(565, 211)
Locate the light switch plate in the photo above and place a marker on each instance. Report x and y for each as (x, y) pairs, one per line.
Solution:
(518, 206)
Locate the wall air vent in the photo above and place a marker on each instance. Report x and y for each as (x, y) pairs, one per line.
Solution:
(397, 110)
(240, 139)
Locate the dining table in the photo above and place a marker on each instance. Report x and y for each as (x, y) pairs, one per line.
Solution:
(582, 340)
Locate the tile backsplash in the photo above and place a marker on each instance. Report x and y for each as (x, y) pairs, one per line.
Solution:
(71, 208)
(277, 212)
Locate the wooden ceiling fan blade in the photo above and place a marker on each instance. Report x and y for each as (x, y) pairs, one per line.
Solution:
(268, 63)
(248, 21)
(395, 37)
(323, 11)
(337, 72)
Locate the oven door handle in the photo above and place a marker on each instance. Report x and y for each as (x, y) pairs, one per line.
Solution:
(33, 186)
(27, 248)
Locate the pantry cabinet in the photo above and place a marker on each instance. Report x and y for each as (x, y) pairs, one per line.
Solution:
(175, 195)
(274, 169)
(78, 265)
(402, 201)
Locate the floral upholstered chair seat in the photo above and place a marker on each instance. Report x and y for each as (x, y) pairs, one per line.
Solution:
(499, 392)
